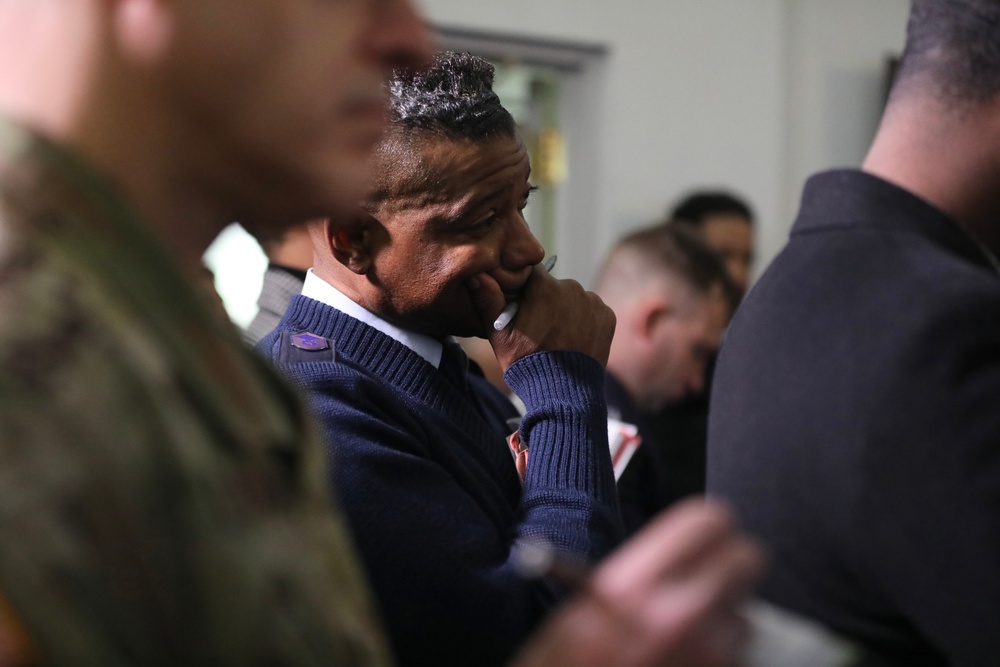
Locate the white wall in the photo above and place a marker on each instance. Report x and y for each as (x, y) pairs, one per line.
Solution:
(748, 94)
(836, 83)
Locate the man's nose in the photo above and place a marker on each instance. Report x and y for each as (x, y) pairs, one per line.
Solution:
(521, 248)
(739, 272)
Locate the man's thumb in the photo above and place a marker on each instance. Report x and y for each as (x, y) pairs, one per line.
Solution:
(487, 297)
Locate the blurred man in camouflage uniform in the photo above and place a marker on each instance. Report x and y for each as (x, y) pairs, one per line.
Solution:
(162, 496)
(162, 501)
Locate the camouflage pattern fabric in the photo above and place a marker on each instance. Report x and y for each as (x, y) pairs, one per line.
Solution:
(162, 496)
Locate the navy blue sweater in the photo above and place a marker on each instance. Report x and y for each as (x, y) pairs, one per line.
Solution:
(428, 485)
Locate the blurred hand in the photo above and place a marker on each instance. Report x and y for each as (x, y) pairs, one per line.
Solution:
(553, 315)
(669, 597)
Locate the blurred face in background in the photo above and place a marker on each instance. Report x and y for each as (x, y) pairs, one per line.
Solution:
(683, 339)
(280, 102)
(731, 237)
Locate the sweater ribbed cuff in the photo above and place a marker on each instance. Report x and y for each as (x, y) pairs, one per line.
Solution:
(571, 377)
(565, 425)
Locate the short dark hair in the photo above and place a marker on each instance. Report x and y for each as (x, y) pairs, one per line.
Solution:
(452, 100)
(696, 207)
(954, 46)
(676, 249)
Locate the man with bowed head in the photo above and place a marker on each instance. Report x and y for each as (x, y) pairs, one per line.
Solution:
(162, 493)
(671, 298)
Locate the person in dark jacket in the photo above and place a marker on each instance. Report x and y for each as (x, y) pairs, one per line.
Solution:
(854, 419)
(668, 290)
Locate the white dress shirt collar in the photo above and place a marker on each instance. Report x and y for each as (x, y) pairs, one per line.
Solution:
(426, 346)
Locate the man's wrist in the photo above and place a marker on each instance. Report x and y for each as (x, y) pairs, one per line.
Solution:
(563, 376)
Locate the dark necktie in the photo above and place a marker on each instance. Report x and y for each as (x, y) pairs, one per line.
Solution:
(455, 364)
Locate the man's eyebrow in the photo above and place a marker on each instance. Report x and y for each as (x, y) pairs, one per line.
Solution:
(496, 194)
(486, 199)
(473, 206)
(483, 201)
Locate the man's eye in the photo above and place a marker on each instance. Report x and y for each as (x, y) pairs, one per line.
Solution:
(485, 224)
(524, 200)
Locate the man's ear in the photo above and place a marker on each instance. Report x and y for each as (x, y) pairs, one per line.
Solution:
(353, 245)
(143, 29)
(652, 312)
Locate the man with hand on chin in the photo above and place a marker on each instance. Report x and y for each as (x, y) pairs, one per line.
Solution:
(419, 455)
(421, 464)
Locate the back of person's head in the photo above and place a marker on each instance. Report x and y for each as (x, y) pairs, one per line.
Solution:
(696, 207)
(643, 258)
(451, 101)
(952, 47)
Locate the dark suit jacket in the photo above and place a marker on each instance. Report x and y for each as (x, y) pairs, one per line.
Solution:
(644, 486)
(855, 424)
